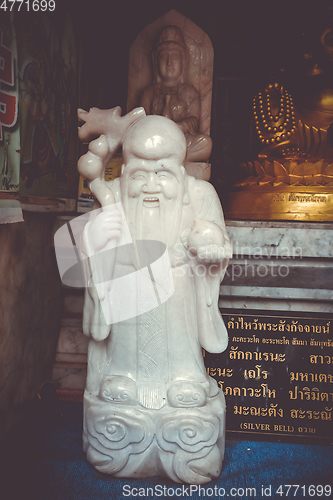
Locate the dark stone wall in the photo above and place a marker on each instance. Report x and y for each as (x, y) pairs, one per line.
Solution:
(30, 313)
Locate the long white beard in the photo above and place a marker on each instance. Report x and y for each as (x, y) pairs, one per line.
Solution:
(160, 223)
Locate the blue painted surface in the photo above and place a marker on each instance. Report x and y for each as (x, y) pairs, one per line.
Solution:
(54, 468)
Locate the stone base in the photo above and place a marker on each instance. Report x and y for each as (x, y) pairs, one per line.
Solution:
(185, 444)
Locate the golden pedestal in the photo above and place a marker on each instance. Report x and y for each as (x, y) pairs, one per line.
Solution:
(283, 190)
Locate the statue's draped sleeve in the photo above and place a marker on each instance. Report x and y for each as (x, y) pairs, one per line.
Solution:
(94, 324)
(212, 333)
(185, 106)
(191, 117)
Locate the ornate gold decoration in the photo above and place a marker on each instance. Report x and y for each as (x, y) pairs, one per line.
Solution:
(288, 189)
(275, 122)
(292, 178)
(290, 172)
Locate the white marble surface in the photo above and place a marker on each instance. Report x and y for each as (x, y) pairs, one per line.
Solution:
(278, 293)
(71, 337)
(287, 239)
(70, 367)
(70, 375)
(268, 304)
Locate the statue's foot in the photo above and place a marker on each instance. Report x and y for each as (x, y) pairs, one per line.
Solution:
(185, 394)
(118, 389)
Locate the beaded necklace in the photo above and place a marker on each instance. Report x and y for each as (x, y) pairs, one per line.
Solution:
(274, 129)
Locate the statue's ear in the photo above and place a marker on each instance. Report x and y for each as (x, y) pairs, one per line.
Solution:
(186, 199)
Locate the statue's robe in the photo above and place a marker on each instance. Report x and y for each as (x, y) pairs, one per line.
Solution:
(180, 104)
(164, 345)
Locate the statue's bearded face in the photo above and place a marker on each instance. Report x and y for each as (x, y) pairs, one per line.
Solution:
(170, 66)
(154, 197)
(151, 180)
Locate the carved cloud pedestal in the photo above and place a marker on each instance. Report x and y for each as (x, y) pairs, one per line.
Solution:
(184, 442)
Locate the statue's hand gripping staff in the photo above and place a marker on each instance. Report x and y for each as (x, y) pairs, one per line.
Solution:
(105, 230)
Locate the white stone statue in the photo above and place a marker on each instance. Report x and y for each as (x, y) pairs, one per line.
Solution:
(171, 74)
(150, 408)
(171, 96)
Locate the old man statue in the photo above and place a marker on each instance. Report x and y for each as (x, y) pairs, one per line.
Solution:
(150, 407)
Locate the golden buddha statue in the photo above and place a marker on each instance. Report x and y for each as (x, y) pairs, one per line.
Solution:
(292, 177)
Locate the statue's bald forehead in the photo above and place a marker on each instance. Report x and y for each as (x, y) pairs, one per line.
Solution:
(155, 137)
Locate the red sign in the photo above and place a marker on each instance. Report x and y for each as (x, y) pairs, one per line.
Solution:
(8, 102)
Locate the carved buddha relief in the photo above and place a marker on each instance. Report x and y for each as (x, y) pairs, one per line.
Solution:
(170, 74)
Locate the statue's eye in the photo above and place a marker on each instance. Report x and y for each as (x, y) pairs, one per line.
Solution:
(164, 174)
(138, 176)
